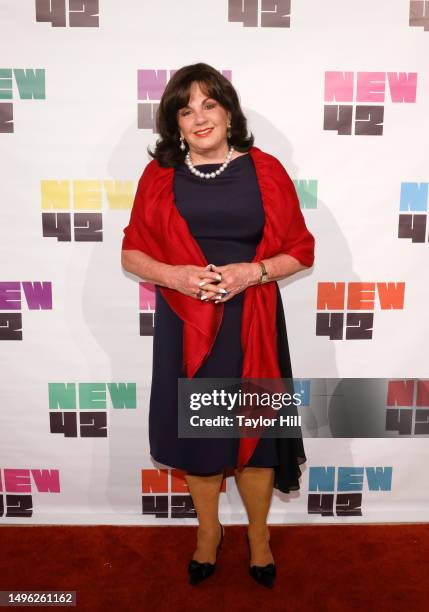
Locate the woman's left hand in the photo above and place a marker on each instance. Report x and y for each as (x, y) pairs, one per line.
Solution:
(236, 277)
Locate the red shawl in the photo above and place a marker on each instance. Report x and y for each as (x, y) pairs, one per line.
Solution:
(157, 228)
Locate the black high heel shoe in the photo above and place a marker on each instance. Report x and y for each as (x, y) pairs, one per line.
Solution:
(263, 574)
(200, 571)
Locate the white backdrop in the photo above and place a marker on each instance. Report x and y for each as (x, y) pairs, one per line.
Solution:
(71, 145)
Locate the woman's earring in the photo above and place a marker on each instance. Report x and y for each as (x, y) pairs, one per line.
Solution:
(182, 144)
(228, 132)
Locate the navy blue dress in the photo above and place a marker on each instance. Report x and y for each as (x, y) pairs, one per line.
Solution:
(226, 217)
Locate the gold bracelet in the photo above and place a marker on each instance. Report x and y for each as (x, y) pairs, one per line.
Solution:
(264, 274)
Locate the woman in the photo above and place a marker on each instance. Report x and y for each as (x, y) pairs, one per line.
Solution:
(215, 223)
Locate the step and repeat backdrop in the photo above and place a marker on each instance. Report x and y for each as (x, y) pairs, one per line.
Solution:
(339, 92)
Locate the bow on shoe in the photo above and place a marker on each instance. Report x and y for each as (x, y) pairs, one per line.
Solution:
(199, 571)
(264, 574)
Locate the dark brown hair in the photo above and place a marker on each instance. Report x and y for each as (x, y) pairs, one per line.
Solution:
(176, 96)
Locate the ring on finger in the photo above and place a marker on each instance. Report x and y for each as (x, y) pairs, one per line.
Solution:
(219, 299)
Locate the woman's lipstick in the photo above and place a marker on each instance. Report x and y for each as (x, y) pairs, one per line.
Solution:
(203, 134)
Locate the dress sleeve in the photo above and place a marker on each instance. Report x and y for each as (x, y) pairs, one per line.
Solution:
(134, 232)
(299, 242)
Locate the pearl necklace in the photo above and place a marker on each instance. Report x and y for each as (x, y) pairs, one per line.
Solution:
(208, 175)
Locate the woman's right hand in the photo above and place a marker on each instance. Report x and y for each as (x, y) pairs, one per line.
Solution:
(190, 280)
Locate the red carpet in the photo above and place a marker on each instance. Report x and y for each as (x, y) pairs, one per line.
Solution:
(320, 568)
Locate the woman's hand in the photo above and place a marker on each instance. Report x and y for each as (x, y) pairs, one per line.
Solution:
(190, 280)
(236, 277)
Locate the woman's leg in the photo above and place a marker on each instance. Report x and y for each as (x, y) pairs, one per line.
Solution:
(205, 491)
(256, 488)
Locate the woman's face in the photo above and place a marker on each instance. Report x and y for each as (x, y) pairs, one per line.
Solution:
(203, 113)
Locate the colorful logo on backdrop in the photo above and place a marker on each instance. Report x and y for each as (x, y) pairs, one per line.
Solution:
(361, 98)
(351, 307)
(264, 14)
(165, 494)
(414, 212)
(150, 87)
(81, 409)
(72, 206)
(18, 84)
(419, 14)
(306, 190)
(407, 410)
(18, 485)
(80, 13)
(36, 295)
(147, 305)
(338, 491)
